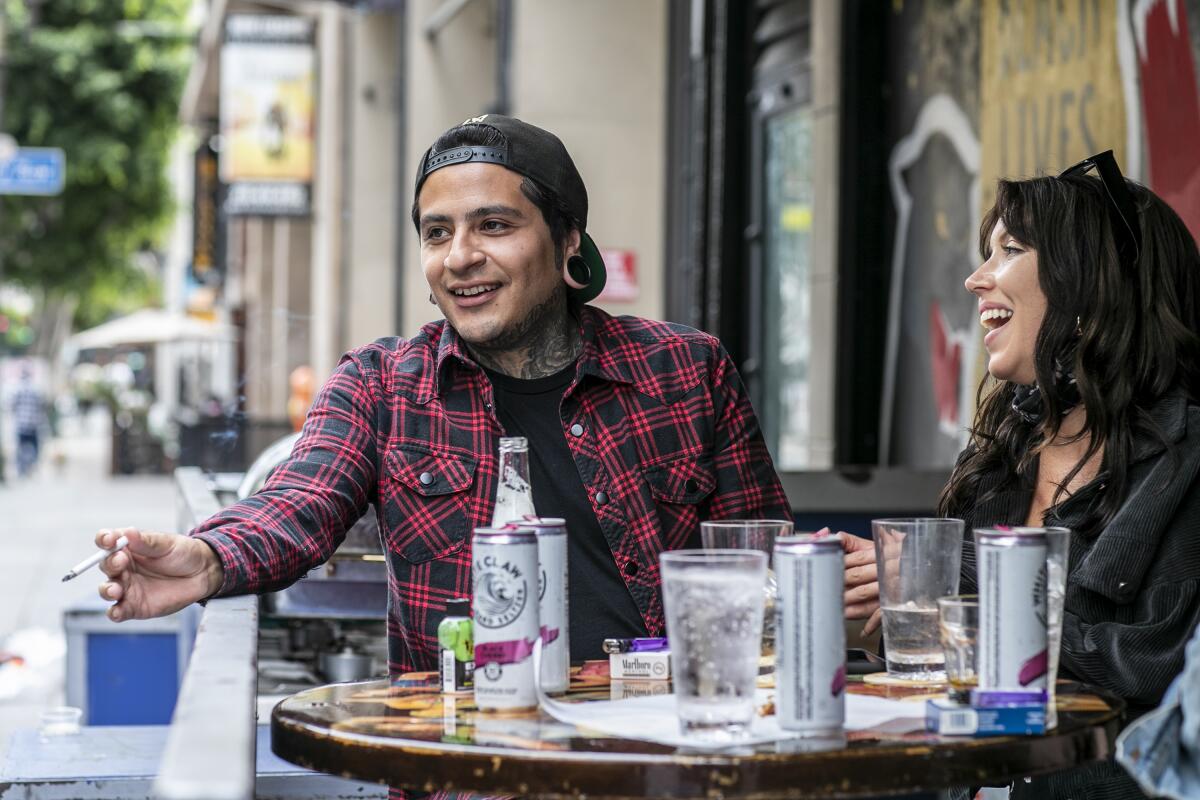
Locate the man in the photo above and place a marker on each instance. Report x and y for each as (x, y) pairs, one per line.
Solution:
(638, 430)
(29, 415)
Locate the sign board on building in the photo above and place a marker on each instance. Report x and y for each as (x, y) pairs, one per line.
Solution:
(621, 269)
(207, 273)
(34, 171)
(268, 99)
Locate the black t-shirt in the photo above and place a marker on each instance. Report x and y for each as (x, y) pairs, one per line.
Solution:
(600, 605)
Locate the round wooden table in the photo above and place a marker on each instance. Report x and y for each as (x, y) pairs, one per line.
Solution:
(407, 734)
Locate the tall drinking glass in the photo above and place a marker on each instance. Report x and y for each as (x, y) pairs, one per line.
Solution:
(714, 605)
(918, 561)
(751, 534)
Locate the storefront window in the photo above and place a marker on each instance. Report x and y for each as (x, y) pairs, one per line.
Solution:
(787, 295)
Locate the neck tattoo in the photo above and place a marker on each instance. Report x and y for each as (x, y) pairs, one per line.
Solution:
(546, 342)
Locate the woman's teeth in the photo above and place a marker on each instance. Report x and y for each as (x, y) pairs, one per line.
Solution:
(994, 317)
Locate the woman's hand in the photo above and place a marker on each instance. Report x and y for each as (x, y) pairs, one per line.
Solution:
(862, 583)
(157, 573)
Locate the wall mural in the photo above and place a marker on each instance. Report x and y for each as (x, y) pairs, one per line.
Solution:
(1011, 88)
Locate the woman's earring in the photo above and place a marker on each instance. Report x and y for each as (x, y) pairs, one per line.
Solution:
(579, 274)
(1078, 326)
(432, 302)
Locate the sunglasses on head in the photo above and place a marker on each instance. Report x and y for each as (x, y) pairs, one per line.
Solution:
(1121, 210)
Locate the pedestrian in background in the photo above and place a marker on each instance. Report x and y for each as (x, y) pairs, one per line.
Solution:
(29, 418)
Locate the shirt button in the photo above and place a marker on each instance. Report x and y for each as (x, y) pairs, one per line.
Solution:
(425, 479)
(631, 568)
(577, 429)
(690, 485)
(601, 498)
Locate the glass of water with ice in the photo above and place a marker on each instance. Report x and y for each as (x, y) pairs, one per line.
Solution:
(714, 605)
(917, 561)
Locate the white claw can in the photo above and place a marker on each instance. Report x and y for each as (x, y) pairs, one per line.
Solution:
(810, 635)
(1013, 645)
(504, 576)
(552, 601)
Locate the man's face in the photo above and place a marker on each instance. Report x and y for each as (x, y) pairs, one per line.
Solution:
(487, 254)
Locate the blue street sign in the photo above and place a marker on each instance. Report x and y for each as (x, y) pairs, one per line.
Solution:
(34, 170)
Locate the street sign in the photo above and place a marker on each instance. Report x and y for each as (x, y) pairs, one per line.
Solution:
(34, 170)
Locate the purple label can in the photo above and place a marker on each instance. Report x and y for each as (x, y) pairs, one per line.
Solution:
(1013, 649)
(554, 621)
(504, 570)
(810, 637)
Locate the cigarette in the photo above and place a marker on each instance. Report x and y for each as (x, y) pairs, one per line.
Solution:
(94, 559)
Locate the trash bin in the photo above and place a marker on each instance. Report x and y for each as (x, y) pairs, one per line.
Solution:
(127, 673)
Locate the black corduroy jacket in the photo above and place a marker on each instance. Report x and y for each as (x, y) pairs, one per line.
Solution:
(1133, 590)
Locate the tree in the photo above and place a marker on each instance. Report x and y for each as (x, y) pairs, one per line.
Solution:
(101, 79)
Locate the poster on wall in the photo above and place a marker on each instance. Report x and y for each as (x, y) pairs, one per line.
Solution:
(267, 110)
(1051, 86)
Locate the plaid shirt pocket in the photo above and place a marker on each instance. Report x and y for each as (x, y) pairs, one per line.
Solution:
(680, 488)
(424, 497)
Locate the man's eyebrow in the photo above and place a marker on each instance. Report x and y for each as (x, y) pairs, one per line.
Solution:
(488, 211)
(428, 219)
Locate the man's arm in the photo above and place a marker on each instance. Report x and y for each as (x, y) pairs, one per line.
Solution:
(747, 485)
(273, 538)
(270, 540)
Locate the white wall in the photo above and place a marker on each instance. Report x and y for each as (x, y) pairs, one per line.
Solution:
(448, 79)
(594, 73)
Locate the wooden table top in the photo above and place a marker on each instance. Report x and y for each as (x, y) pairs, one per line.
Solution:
(406, 733)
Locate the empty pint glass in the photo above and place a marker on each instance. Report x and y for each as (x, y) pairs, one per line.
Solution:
(918, 561)
(714, 605)
(752, 534)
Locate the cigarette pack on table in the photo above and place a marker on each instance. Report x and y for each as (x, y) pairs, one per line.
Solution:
(640, 666)
(624, 690)
(946, 718)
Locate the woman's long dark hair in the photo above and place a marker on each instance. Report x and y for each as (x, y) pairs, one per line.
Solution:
(1135, 340)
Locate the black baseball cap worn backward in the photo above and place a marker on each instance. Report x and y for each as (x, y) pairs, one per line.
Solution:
(540, 156)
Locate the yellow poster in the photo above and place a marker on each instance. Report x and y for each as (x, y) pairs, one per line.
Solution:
(267, 112)
(1050, 87)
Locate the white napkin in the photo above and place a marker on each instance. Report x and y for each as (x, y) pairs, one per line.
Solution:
(654, 718)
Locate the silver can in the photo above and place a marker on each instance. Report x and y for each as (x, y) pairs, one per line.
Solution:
(810, 636)
(552, 601)
(1013, 651)
(504, 569)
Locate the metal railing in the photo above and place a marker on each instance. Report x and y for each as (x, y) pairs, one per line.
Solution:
(210, 749)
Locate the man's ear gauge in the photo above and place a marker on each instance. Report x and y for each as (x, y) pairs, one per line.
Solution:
(579, 274)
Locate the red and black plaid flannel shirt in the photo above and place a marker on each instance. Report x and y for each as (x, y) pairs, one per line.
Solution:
(669, 439)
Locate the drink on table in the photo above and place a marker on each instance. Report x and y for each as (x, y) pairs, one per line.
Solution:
(555, 668)
(810, 671)
(751, 534)
(714, 606)
(514, 495)
(1013, 636)
(504, 570)
(917, 562)
(959, 627)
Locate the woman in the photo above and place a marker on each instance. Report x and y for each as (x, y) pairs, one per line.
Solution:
(1088, 419)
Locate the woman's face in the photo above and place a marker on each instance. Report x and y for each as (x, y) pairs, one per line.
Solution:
(1011, 306)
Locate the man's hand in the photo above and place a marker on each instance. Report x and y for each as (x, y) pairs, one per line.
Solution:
(157, 573)
(862, 582)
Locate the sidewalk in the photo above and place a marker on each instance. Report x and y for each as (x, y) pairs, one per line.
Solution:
(47, 523)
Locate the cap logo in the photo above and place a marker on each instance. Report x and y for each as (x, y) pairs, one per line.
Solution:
(475, 120)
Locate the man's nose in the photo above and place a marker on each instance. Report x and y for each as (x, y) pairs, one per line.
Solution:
(464, 252)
